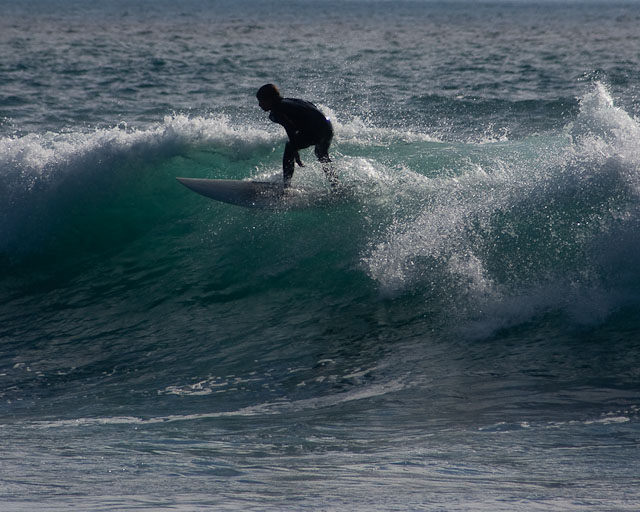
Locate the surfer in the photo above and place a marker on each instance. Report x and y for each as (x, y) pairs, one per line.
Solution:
(305, 126)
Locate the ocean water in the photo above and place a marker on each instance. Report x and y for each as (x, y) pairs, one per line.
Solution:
(459, 331)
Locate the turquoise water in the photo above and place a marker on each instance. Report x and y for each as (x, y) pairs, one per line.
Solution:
(459, 331)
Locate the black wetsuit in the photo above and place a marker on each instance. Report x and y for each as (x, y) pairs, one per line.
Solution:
(306, 126)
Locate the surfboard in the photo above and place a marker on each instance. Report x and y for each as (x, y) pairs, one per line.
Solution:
(250, 194)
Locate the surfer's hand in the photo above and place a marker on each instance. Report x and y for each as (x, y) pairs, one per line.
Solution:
(298, 161)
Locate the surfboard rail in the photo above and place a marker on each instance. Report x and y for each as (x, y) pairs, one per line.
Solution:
(247, 193)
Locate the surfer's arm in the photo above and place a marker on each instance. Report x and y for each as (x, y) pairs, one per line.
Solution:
(292, 132)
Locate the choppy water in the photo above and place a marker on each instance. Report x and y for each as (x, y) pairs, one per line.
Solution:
(459, 332)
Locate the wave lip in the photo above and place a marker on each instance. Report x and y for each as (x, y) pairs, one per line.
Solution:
(47, 176)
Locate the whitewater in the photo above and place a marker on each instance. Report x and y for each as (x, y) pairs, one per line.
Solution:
(459, 331)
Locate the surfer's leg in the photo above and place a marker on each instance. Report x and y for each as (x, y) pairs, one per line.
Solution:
(288, 163)
(322, 152)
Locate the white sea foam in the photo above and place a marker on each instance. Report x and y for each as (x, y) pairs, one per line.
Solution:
(523, 232)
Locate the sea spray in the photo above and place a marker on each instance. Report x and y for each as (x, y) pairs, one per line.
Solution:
(529, 223)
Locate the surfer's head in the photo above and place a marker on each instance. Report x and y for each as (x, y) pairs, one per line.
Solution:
(268, 95)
